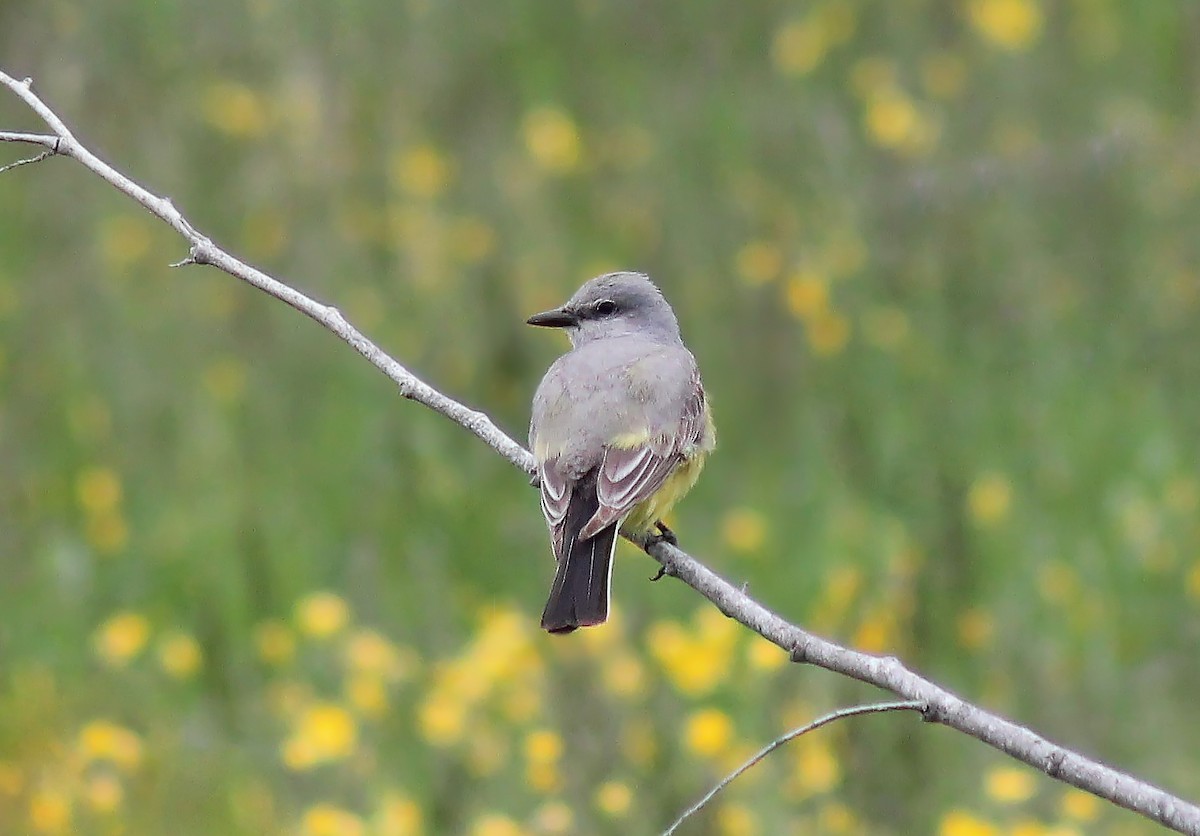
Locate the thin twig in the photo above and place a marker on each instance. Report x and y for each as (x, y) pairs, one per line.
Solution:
(26, 161)
(887, 673)
(853, 711)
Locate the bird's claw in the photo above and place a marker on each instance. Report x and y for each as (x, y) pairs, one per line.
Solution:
(665, 535)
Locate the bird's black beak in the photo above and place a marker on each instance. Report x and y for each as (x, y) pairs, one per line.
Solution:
(557, 318)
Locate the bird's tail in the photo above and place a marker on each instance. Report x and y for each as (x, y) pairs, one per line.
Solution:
(579, 595)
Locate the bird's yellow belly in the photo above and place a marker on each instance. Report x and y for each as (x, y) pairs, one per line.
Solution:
(682, 479)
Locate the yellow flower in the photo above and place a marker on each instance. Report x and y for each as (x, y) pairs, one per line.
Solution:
(522, 703)
(838, 818)
(552, 139)
(421, 171)
(744, 530)
(124, 240)
(807, 294)
(697, 666)
(103, 740)
(472, 239)
(399, 815)
(737, 820)
(103, 792)
(1009, 785)
(274, 642)
(1028, 827)
(876, 630)
(495, 824)
(1057, 583)
(328, 820)
(98, 490)
(624, 674)
(487, 751)
(891, 119)
(121, 638)
(765, 656)
(179, 655)
(235, 110)
(614, 798)
(367, 694)
(1009, 24)
(369, 652)
(708, 732)
(975, 628)
(798, 48)
(639, 743)
(962, 823)
(50, 811)
(324, 732)
(543, 777)
(442, 719)
(759, 262)
(989, 498)
(543, 746)
(554, 817)
(1080, 805)
(828, 333)
(108, 533)
(321, 615)
(817, 770)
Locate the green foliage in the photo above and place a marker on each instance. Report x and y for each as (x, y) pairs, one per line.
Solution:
(937, 260)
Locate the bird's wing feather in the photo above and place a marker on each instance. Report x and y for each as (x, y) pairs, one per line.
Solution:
(630, 475)
(555, 490)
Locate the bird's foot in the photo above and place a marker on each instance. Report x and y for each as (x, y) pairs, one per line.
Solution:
(665, 535)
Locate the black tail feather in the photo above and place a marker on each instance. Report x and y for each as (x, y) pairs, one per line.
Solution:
(579, 595)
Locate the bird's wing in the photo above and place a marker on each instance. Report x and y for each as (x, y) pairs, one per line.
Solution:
(630, 475)
(555, 490)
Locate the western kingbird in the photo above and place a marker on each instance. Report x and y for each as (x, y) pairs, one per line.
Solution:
(620, 430)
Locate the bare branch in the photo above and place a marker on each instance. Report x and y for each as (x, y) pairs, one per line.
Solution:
(854, 711)
(50, 142)
(887, 673)
(203, 251)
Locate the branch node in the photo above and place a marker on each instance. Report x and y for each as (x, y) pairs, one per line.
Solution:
(800, 652)
(1054, 763)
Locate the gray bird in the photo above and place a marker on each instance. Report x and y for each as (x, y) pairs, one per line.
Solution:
(620, 430)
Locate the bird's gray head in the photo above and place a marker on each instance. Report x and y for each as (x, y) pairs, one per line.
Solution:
(614, 305)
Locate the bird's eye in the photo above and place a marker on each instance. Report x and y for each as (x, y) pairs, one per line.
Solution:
(606, 307)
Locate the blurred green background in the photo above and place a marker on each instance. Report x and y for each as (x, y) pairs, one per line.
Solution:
(938, 262)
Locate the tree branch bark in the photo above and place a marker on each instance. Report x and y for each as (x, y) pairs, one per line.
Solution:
(885, 672)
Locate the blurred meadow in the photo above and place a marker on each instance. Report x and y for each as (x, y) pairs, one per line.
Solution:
(938, 260)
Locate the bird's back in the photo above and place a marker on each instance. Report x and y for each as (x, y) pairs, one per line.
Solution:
(606, 390)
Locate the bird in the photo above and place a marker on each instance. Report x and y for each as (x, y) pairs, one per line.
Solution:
(620, 428)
